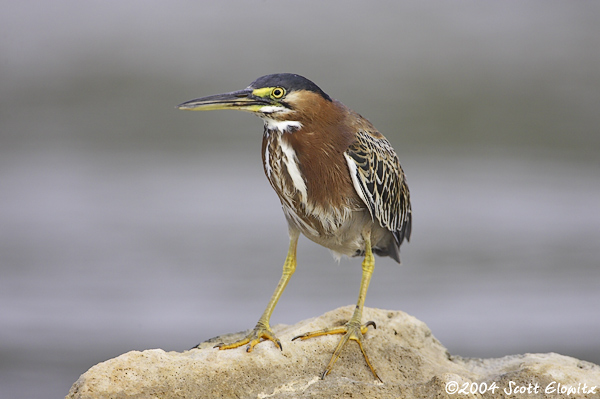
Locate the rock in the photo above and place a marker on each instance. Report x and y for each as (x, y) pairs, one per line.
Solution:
(409, 359)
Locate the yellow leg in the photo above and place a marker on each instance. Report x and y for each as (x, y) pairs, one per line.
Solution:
(262, 331)
(353, 330)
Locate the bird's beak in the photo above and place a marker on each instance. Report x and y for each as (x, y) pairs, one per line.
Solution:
(243, 100)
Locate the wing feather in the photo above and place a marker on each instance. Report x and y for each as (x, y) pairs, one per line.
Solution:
(379, 181)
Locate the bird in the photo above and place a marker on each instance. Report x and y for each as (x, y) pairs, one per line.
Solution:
(339, 182)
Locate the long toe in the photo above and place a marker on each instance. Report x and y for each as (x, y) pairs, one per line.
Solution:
(256, 336)
(351, 332)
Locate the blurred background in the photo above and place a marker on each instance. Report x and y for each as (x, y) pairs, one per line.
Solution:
(126, 224)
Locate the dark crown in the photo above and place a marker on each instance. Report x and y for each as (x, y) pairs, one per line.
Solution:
(290, 82)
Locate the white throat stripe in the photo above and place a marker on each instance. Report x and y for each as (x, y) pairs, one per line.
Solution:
(282, 126)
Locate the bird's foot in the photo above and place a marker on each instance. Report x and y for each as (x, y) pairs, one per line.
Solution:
(261, 332)
(351, 331)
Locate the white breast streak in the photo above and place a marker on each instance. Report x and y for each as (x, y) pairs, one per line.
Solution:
(268, 161)
(291, 162)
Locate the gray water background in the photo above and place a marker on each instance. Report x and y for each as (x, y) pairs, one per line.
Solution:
(128, 225)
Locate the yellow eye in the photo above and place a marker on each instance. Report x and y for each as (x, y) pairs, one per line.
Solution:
(278, 92)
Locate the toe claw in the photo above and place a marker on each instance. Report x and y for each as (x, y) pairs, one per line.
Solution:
(324, 374)
(371, 323)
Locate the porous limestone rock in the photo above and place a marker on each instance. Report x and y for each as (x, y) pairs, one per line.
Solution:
(411, 362)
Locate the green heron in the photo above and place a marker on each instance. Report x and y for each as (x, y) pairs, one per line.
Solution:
(339, 182)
